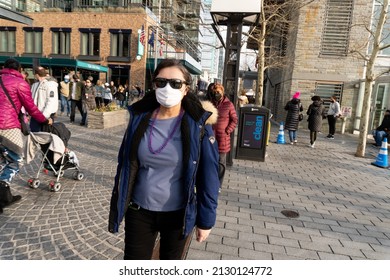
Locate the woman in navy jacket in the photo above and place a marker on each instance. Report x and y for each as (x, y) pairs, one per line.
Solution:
(167, 178)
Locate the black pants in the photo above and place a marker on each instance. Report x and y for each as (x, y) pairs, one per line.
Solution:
(73, 105)
(332, 125)
(99, 102)
(222, 167)
(141, 229)
(313, 136)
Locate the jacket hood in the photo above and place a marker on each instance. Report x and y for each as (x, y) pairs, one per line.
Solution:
(191, 104)
(295, 101)
(209, 107)
(52, 79)
(8, 71)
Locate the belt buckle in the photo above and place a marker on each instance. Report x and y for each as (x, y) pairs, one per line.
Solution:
(134, 206)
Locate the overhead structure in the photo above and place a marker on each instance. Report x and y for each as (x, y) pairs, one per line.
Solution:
(234, 15)
(9, 14)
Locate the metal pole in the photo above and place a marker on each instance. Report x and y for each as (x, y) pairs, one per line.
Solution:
(156, 39)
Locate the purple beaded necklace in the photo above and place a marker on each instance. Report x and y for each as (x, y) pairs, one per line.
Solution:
(178, 120)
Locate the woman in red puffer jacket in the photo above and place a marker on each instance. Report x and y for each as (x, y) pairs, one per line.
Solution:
(11, 139)
(226, 123)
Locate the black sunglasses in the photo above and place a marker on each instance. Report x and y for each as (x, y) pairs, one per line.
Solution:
(174, 83)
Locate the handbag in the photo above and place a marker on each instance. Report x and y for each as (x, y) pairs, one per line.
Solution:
(300, 116)
(24, 127)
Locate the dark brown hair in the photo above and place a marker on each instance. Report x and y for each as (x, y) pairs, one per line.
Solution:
(166, 63)
(40, 71)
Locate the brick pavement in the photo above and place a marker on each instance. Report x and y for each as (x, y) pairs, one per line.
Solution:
(343, 204)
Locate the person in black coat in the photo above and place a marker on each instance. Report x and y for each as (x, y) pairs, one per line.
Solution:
(293, 108)
(316, 113)
(383, 130)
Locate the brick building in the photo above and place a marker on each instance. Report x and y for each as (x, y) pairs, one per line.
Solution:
(102, 42)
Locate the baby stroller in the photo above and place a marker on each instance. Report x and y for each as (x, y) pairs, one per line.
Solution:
(56, 157)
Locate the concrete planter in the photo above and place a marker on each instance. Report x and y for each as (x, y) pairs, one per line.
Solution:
(101, 120)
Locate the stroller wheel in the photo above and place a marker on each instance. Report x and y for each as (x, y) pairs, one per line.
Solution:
(79, 176)
(55, 187)
(34, 183)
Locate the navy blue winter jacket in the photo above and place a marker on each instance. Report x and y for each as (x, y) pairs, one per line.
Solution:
(200, 160)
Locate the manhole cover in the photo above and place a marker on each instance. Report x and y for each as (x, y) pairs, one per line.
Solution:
(290, 214)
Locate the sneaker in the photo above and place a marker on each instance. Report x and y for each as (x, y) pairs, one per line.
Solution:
(312, 145)
(295, 141)
(331, 137)
(292, 143)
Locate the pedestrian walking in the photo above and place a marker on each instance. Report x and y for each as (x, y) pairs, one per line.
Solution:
(88, 100)
(168, 148)
(227, 122)
(293, 108)
(64, 95)
(45, 96)
(334, 112)
(76, 88)
(99, 94)
(316, 113)
(107, 96)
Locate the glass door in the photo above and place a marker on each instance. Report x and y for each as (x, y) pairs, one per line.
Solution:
(379, 105)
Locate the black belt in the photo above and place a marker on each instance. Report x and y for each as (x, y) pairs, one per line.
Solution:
(134, 206)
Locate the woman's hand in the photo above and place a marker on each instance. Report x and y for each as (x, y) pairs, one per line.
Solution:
(202, 234)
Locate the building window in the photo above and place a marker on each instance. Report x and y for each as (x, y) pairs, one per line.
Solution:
(90, 41)
(335, 35)
(7, 39)
(33, 40)
(61, 40)
(326, 90)
(120, 42)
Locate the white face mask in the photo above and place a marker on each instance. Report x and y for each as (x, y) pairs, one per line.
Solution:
(168, 97)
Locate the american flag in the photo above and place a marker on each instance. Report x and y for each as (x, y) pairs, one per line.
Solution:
(142, 36)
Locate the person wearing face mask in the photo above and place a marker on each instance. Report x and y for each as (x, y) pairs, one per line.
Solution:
(334, 112)
(167, 174)
(64, 95)
(227, 122)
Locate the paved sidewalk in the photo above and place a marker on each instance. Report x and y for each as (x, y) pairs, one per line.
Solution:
(343, 204)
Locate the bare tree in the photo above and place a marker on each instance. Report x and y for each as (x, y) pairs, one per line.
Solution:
(275, 20)
(376, 34)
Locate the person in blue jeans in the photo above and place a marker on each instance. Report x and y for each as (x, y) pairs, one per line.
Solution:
(293, 108)
(383, 130)
(64, 95)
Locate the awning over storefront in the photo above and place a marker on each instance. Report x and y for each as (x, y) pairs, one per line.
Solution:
(58, 62)
(191, 68)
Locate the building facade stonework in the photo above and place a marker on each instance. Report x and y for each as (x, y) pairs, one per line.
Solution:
(312, 68)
